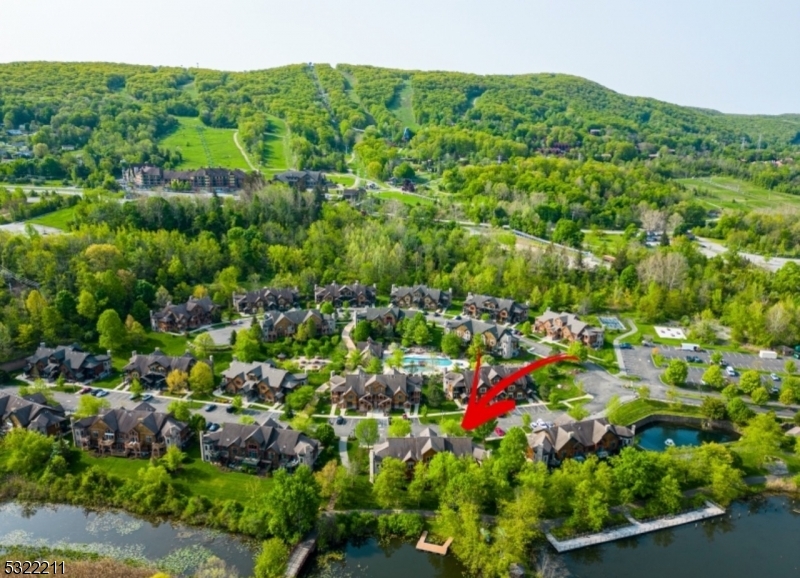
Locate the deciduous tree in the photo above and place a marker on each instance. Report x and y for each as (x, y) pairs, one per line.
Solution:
(111, 330)
(367, 432)
(201, 378)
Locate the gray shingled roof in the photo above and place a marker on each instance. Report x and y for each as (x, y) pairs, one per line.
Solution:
(123, 421)
(262, 371)
(181, 310)
(142, 363)
(414, 448)
(285, 441)
(30, 410)
(587, 433)
(376, 313)
(393, 382)
(70, 355)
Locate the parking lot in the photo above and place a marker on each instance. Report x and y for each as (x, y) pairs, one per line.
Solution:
(741, 361)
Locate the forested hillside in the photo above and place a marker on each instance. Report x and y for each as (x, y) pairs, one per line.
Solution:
(83, 122)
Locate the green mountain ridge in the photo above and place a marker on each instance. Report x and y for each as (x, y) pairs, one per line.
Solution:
(119, 114)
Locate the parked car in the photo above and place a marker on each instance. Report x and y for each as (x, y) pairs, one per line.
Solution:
(85, 390)
(499, 432)
(775, 377)
(147, 397)
(230, 409)
(436, 314)
(457, 318)
(693, 359)
(730, 371)
(134, 396)
(212, 427)
(625, 345)
(340, 420)
(210, 407)
(775, 390)
(101, 393)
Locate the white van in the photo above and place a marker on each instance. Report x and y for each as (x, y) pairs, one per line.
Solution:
(690, 347)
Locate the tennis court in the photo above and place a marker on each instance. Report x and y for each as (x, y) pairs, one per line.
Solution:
(611, 323)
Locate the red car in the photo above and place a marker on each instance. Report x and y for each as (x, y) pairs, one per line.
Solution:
(85, 390)
(499, 432)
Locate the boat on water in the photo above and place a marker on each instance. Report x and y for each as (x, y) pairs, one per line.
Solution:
(669, 443)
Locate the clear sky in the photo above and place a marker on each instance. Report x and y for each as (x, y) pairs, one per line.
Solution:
(731, 55)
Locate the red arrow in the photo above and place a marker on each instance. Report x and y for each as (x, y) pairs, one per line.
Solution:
(479, 411)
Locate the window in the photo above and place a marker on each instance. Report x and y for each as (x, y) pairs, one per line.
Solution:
(148, 439)
(95, 435)
(109, 435)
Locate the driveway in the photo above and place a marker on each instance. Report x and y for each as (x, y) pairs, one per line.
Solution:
(222, 335)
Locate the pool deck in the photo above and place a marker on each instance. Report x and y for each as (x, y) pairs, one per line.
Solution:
(635, 529)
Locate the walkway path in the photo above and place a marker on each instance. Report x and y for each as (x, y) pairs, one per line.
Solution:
(618, 351)
(343, 452)
(348, 341)
(299, 556)
(635, 529)
(241, 150)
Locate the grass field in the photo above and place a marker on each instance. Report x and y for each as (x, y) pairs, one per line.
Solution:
(345, 180)
(401, 106)
(634, 411)
(58, 219)
(601, 243)
(730, 193)
(202, 146)
(197, 477)
(276, 153)
(405, 199)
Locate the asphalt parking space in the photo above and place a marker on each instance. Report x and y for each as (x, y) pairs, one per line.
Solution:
(737, 360)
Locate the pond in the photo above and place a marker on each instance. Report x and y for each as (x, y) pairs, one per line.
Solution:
(396, 559)
(756, 539)
(178, 549)
(654, 437)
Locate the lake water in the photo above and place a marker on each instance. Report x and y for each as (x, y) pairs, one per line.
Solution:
(653, 438)
(396, 559)
(179, 548)
(757, 539)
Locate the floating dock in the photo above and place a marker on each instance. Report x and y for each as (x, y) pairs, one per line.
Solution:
(635, 529)
(433, 548)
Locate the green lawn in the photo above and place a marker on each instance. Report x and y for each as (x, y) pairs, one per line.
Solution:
(196, 478)
(635, 410)
(58, 219)
(402, 108)
(345, 180)
(277, 153)
(202, 146)
(403, 198)
(730, 193)
(601, 243)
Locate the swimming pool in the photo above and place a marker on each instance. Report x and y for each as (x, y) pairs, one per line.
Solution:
(423, 363)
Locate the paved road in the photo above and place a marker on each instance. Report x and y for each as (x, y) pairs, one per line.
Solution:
(711, 248)
(19, 228)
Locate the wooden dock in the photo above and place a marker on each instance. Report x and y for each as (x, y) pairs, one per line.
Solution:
(635, 529)
(300, 555)
(433, 548)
